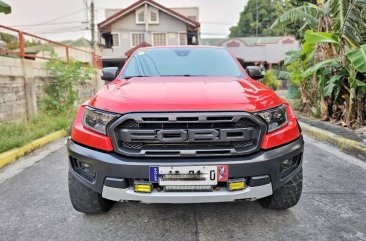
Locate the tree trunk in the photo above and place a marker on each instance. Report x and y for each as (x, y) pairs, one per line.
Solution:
(352, 113)
(324, 109)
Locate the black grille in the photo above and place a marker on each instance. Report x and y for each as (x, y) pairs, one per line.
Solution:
(187, 134)
(132, 145)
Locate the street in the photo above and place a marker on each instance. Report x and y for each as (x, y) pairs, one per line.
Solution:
(34, 205)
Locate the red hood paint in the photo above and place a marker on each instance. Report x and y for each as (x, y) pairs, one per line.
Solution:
(185, 94)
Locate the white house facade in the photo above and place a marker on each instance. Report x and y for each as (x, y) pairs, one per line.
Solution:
(145, 23)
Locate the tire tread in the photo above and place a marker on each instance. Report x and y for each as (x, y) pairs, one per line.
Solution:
(286, 196)
(84, 199)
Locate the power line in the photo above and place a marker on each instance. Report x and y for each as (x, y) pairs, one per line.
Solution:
(49, 24)
(218, 23)
(61, 30)
(64, 16)
(50, 20)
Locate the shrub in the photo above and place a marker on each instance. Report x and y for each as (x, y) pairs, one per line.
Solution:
(61, 92)
(270, 80)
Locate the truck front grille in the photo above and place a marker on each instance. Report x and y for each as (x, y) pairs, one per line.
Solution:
(187, 134)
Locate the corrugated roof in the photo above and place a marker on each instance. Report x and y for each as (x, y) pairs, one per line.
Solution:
(247, 40)
(212, 41)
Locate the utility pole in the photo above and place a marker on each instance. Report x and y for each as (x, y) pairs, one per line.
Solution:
(92, 25)
(86, 13)
(256, 19)
(146, 24)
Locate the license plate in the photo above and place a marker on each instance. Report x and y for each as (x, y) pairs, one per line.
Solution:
(184, 175)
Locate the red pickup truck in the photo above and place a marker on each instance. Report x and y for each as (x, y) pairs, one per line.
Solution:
(184, 125)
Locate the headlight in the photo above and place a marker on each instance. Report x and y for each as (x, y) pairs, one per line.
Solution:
(97, 120)
(275, 118)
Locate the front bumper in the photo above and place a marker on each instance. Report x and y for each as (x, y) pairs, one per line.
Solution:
(117, 167)
(223, 195)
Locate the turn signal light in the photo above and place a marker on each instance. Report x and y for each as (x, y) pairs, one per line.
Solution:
(143, 187)
(236, 184)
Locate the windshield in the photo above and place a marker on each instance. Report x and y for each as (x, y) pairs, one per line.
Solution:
(182, 62)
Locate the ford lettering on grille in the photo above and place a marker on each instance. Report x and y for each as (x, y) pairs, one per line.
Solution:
(187, 134)
(193, 135)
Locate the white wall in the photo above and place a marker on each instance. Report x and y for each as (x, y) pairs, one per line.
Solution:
(272, 53)
(127, 25)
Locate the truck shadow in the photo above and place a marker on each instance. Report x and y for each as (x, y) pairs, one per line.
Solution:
(216, 221)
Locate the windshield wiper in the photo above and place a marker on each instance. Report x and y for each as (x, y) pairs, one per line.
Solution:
(182, 75)
(135, 76)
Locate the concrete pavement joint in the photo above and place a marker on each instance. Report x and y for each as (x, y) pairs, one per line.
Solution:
(349, 146)
(196, 223)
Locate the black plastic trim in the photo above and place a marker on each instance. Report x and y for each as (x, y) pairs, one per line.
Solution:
(171, 117)
(116, 182)
(259, 181)
(117, 166)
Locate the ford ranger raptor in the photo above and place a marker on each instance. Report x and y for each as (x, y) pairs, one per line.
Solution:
(185, 124)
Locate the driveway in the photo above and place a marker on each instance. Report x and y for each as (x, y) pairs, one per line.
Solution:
(34, 205)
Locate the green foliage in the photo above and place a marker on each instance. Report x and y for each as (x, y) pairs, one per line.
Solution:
(4, 8)
(15, 134)
(320, 66)
(332, 62)
(282, 75)
(308, 12)
(61, 93)
(268, 11)
(270, 80)
(347, 19)
(358, 58)
(295, 66)
(314, 38)
(12, 41)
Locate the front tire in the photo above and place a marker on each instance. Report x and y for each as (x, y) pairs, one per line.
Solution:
(85, 200)
(286, 196)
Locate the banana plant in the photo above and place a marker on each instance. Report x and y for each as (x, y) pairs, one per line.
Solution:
(358, 58)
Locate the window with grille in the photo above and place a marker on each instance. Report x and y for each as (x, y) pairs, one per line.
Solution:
(115, 39)
(154, 16)
(140, 16)
(183, 38)
(137, 38)
(159, 39)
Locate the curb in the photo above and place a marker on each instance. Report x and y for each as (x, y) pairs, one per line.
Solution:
(351, 147)
(12, 155)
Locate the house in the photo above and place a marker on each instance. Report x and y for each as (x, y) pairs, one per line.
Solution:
(145, 23)
(265, 51)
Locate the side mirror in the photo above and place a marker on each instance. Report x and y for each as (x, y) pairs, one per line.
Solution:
(109, 73)
(254, 72)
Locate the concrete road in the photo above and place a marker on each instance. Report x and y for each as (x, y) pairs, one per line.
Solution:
(34, 205)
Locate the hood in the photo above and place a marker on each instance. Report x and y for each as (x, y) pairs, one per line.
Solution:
(185, 94)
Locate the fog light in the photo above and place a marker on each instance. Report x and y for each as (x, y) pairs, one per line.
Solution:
(87, 168)
(143, 187)
(84, 169)
(287, 162)
(236, 184)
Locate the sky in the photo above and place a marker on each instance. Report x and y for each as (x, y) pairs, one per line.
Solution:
(65, 19)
